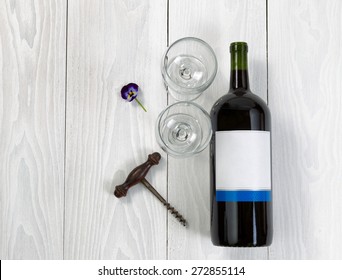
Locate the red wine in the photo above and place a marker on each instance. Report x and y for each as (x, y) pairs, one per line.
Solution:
(240, 162)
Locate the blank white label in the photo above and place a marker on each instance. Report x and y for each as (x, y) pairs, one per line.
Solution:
(243, 160)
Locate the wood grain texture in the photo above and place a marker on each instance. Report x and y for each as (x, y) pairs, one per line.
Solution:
(305, 70)
(32, 116)
(218, 23)
(112, 43)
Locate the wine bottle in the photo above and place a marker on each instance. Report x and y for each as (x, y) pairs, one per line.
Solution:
(240, 162)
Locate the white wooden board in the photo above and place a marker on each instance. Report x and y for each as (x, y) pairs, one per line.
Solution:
(32, 127)
(305, 70)
(67, 138)
(110, 44)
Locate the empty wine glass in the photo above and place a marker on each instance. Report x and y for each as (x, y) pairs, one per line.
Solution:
(183, 129)
(188, 68)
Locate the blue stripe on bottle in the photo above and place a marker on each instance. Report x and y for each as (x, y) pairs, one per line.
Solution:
(233, 196)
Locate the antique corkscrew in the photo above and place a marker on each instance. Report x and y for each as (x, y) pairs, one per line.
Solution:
(137, 175)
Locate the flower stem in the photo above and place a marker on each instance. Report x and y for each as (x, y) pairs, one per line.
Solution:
(140, 104)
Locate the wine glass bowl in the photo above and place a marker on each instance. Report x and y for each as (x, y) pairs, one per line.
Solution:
(188, 68)
(183, 129)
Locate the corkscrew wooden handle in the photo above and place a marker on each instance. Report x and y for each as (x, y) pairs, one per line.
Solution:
(137, 174)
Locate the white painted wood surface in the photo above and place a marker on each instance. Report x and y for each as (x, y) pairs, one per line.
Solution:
(64, 148)
(305, 85)
(32, 116)
(112, 43)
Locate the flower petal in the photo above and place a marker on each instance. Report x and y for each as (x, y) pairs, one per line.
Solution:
(124, 92)
(133, 87)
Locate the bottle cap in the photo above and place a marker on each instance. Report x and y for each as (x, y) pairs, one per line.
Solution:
(238, 46)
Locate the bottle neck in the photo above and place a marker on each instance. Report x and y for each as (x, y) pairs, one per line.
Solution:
(239, 69)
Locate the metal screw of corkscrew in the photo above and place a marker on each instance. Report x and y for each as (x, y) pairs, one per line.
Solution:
(137, 175)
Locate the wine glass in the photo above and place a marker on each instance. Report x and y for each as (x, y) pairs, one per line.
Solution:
(183, 129)
(188, 68)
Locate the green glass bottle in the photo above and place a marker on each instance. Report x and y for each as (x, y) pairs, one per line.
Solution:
(240, 162)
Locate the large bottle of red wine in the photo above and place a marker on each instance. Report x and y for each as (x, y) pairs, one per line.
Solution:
(241, 198)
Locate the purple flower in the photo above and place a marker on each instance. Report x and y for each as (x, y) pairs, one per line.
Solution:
(130, 92)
